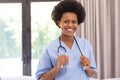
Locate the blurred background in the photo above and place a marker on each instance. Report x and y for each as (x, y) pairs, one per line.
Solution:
(26, 27)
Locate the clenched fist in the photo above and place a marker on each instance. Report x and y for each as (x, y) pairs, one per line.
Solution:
(85, 62)
(62, 60)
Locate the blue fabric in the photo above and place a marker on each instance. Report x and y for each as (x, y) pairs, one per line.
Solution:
(72, 71)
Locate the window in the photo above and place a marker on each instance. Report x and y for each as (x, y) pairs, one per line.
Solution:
(13, 54)
(10, 39)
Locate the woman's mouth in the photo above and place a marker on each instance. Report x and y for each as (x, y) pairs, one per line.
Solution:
(70, 30)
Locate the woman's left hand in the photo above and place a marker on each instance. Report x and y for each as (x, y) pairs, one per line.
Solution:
(85, 62)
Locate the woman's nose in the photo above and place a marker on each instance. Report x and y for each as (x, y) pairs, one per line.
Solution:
(70, 24)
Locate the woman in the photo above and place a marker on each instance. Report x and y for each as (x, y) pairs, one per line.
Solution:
(68, 57)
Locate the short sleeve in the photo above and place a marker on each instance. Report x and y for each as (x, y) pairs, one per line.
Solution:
(44, 64)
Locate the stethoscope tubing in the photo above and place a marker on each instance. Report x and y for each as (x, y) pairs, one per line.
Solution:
(64, 47)
(78, 45)
(60, 46)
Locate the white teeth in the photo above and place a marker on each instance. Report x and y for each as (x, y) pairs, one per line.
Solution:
(70, 29)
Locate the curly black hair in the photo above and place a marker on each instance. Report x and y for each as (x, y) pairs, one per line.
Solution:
(68, 6)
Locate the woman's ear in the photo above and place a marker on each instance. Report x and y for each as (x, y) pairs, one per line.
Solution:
(58, 23)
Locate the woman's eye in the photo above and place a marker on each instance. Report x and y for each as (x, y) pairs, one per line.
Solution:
(66, 21)
(74, 22)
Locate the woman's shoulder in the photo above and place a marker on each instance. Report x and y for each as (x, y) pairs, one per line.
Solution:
(81, 39)
(53, 43)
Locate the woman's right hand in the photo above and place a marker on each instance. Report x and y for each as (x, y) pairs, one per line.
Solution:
(62, 60)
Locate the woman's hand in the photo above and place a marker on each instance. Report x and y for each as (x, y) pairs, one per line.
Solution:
(85, 62)
(62, 60)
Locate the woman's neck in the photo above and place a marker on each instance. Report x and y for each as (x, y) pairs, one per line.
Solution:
(68, 40)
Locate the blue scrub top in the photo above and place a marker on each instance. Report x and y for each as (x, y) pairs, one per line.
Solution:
(73, 70)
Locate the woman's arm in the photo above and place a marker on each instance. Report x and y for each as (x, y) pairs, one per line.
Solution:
(85, 62)
(62, 60)
(90, 72)
(51, 74)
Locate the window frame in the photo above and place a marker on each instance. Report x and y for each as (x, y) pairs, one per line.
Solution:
(26, 31)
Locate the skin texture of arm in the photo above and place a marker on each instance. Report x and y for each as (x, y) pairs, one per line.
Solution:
(51, 74)
(85, 62)
(62, 60)
(90, 72)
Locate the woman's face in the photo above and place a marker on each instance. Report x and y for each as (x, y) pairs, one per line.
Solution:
(68, 24)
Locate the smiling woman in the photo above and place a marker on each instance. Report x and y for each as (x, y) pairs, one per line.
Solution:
(60, 65)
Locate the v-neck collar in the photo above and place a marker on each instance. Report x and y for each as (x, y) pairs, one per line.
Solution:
(66, 47)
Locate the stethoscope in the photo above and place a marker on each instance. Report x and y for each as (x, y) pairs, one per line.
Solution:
(61, 47)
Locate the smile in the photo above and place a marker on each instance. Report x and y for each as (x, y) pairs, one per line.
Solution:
(70, 29)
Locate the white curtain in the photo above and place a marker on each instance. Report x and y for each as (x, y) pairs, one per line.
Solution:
(102, 29)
